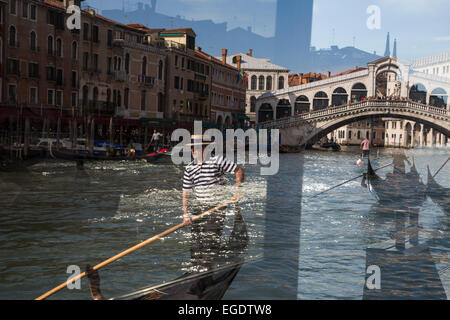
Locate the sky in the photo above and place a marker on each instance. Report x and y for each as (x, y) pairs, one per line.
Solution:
(421, 27)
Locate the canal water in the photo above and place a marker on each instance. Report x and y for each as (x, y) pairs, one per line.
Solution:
(300, 247)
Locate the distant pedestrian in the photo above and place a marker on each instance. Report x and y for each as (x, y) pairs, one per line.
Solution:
(156, 137)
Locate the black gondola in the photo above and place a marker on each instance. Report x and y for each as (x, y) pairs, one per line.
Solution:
(77, 156)
(439, 194)
(207, 285)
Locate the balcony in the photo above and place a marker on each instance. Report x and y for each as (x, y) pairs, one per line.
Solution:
(147, 81)
(120, 75)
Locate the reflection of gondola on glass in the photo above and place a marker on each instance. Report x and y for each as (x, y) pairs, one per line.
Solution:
(207, 285)
(439, 194)
(398, 186)
(70, 155)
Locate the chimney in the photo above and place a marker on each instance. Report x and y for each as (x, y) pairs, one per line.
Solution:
(197, 48)
(224, 56)
(238, 61)
(300, 75)
(250, 53)
(329, 74)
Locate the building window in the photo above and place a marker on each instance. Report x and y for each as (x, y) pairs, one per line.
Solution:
(24, 9)
(126, 97)
(74, 50)
(50, 95)
(12, 36)
(59, 47)
(50, 45)
(59, 95)
(33, 12)
(261, 83)
(176, 61)
(33, 70)
(281, 83)
(12, 92)
(143, 94)
(253, 83)
(127, 63)
(85, 31)
(51, 73)
(176, 83)
(269, 83)
(13, 66)
(74, 79)
(109, 64)
(33, 41)
(160, 70)
(85, 60)
(109, 38)
(13, 7)
(144, 66)
(95, 61)
(73, 100)
(95, 37)
(33, 95)
(59, 77)
(182, 62)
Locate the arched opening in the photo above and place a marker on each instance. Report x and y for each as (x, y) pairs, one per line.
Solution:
(418, 93)
(253, 104)
(283, 109)
(265, 113)
(12, 36)
(50, 45)
(220, 122)
(84, 99)
(438, 98)
(269, 83)
(359, 92)
(416, 134)
(74, 50)
(228, 122)
(280, 83)
(261, 83)
(382, 88)
(340, 97)
(58, 47)
(253, 82)
(302, 105)
(320, 101)
(160, 102)
(95, 104)
(408, 135)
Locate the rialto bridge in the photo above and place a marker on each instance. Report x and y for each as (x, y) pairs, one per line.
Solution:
(388, 88)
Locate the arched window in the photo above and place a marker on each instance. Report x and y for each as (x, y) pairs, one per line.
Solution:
(253, 104)
(74, 50)
(418, 93)
(160, 70)
(144, 66)
(281, 82)
(438, 98)
(359, 92)
(58, 47)
(50, 45)
(340, 97)
(302, 105)
(320, 101)
(269, 83)
(33, 41)
(283, 109)
(126, 96)
(85, 96)
(95, 99)
(127, 63)
(12, 36)
(265, 113)
(261, 83)
(253, 84)
(119, 98)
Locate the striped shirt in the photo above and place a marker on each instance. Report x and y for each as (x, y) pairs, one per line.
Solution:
(207, 178)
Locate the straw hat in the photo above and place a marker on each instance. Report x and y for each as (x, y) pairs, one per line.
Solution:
(197, 140)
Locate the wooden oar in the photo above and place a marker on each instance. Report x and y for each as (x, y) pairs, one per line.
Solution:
(136, 247)
(341, 184)
(442, 167)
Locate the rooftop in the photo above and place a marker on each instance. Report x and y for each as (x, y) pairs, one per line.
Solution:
(252, 63)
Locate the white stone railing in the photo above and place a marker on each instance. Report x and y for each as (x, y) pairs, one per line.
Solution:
(428, 76)
(316, 84)
(317, 115)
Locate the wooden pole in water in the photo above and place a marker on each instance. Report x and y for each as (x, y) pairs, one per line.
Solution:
(26, 138)
(111, 135)
(134, 248)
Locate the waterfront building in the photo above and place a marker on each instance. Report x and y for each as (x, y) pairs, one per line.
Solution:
(40, 66)
(189, 77)
(228, 92)
(438, 65)
(356, 132)
(263, 77)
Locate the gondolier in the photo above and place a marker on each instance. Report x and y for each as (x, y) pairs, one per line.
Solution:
(365, 146)
(205, 177)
